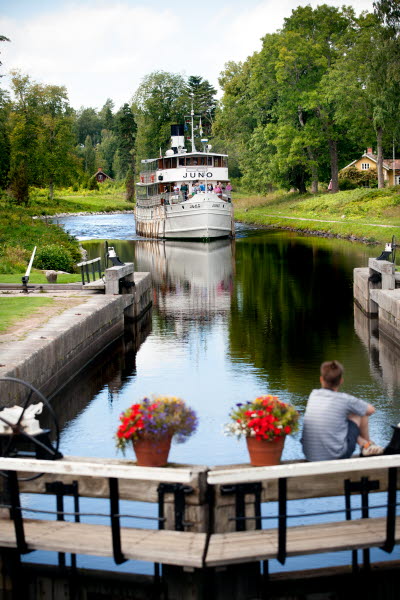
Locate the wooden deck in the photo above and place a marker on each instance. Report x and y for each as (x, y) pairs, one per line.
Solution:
(250, 546)
(169, 547)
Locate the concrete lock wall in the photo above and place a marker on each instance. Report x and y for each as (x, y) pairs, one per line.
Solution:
(59, 349)
(379, 299)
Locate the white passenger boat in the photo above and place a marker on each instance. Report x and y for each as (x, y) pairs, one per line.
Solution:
(184, 195)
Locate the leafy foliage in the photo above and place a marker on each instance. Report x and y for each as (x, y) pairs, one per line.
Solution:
(54, 257)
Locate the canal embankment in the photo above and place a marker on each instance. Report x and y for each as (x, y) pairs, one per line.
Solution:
(363, 215)
(55, 351)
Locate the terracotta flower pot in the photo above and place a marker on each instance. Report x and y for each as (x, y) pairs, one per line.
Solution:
(152, 453)
(264, 453)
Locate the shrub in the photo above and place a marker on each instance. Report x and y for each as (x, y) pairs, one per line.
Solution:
(13, 260)
(347, 184)
(93, 185)
(54, 257)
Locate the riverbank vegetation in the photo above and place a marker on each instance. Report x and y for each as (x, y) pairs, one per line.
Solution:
(371, 216)
(321, 89)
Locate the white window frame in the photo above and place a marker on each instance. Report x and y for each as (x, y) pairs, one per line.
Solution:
(397, 179)
(365, 166)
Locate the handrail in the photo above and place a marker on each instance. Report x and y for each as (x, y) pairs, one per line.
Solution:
(84, 266)
(95, 469)
(301, 469)
(86, 467)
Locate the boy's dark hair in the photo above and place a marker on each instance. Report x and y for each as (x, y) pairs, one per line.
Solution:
(332, 373)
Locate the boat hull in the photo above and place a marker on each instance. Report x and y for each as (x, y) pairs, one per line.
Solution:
(200, 218)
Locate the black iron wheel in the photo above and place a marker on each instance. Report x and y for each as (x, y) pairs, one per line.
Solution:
(21, 444)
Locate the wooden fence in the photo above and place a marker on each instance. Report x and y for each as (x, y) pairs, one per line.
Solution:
(208, 517)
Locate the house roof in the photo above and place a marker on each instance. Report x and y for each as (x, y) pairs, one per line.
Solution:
(387, 163)
(101, 172)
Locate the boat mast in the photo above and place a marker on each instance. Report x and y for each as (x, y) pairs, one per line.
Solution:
(192, 118)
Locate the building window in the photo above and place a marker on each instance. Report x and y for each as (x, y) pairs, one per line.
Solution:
(397, 179)
(365, 166)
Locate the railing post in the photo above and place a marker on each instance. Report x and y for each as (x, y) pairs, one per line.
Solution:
(115, 524)
(391, 510)
(282, 519)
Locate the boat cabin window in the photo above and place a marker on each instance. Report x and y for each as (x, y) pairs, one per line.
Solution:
(217, 161)
(209, 161)
(181, 161)
(170, 163)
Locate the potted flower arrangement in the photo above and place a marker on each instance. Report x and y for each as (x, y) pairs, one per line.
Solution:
(151, 424)
(264, 422)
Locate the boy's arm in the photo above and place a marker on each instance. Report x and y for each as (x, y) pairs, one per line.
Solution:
(370, 410)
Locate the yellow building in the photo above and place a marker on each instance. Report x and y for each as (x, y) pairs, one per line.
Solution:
(369, 161)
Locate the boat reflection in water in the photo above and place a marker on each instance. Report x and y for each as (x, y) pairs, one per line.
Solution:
(191, 280)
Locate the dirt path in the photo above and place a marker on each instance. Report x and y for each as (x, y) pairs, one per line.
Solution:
(41, 315)
(279, 216)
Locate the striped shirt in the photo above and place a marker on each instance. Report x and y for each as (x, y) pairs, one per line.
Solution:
(326, 423)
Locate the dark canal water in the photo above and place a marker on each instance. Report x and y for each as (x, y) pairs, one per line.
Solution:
(230, 321)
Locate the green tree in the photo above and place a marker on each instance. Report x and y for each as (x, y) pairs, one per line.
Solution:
(106, 115)
(42, 139)
(89, 156)
(130, 184)
(105, 151)
(160, 101)
(4, 133)
(204, 101)
(125, 131)
(56, 139)
(364, 86)
(88, 122)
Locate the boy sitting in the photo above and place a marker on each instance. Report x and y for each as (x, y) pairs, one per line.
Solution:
(334, 421)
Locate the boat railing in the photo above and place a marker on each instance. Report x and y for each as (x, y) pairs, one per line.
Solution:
(175, 198)
(148, 177)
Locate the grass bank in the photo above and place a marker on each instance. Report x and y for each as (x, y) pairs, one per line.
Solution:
(13, 310)
(109, 198)
(20, 232)
(368, 215)
(37, 276)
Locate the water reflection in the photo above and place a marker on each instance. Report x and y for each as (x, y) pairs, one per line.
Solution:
(384, 355)
(231, 320)
(111, 371)
(190, 279)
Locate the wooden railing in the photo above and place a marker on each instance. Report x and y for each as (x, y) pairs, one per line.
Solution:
(207, 517)
(95, 264)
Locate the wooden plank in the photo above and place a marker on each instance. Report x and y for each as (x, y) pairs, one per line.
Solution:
(99, 469)
(301, 469)
(249, 546)
(169, 547)
(98, 284)
(89, 262)
(310, 486)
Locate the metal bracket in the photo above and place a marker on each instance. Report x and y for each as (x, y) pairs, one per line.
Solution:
(16, 512)
(60, 489)
(179, 492)
(363, 487)
(241, 490)
(126, 285)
